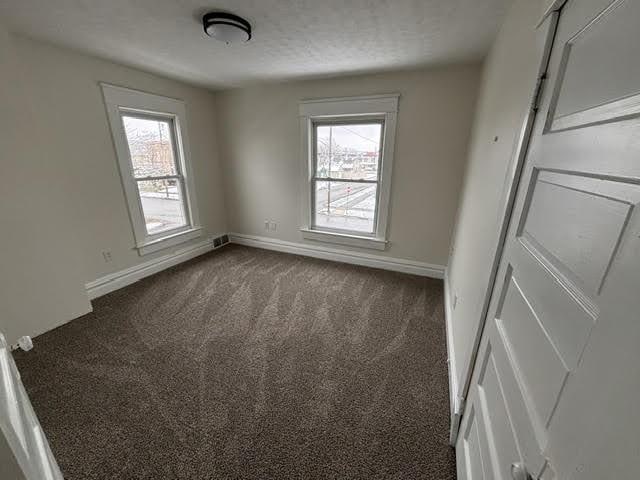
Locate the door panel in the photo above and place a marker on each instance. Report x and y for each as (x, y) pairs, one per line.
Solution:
(20, 431)
(559, 351)
(570, 206)
(591, 77)
(539, 369)
(565, 316)
(525, 431)
(472, 453)
(503, 442)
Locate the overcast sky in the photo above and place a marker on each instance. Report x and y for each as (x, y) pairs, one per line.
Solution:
(365, 138)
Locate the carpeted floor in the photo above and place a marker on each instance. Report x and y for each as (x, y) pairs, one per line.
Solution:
(249, 364)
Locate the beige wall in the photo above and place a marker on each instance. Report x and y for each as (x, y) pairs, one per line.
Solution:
(41, 282)
(62, 198)
(260, 148)
(508, 82)
(62, 202)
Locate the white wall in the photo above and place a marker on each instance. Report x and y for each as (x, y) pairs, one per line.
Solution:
(62, 199)
(9, 468)
(65, 87)
(508, 81)
(41, 283)
(260, 148)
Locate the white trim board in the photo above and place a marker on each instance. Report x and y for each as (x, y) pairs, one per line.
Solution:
(120, 101)
(122, 278)
(456, 403)
(381, 108)
(116, 280)
(344, 239)
(343, 256)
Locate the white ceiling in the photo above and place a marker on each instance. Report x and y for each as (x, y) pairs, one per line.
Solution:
(292, 39)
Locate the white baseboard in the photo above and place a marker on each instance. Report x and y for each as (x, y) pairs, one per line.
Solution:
(122, 278)
(455, 402)
(116, 280)
(337, 255)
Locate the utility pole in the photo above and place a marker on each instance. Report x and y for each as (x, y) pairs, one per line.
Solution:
(329, 183)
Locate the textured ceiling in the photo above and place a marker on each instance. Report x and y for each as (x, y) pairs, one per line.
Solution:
(292, 39)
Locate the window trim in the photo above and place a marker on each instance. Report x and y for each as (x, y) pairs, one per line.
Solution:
(121, 101)
(333, 110)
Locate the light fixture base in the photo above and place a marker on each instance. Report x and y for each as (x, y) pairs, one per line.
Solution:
(226, 27)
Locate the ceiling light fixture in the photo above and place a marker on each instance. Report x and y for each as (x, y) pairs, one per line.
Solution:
(226, 27)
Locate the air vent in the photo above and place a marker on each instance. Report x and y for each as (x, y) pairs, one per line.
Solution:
(220, 241)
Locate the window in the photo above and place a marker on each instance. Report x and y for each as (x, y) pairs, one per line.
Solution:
(148, 132)
(349, 149)
(152, 152)
(347, 157)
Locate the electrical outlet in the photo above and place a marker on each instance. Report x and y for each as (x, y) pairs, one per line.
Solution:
(455, 301)
(273, 226)
(266, 224)
(106, 255)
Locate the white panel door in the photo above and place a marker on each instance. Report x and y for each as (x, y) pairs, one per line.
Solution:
(556, 383)
(21, 436)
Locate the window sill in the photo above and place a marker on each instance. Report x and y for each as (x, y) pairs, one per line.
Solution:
(169, 241)
(344, 239)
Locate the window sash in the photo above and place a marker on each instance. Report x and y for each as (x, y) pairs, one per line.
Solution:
(344, 180)
(315, 178)
(352, 121)
(160, 177)
(167, 118)
(314, 225)
(183, 204)
(177, 163)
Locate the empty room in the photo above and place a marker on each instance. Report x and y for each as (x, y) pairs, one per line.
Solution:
(298, 239)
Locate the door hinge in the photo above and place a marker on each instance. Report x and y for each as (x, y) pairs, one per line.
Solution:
(537, 96)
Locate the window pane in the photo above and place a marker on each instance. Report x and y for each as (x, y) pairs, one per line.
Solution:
(162, 205)
(151, 146)
(349, 151)
(345, 206)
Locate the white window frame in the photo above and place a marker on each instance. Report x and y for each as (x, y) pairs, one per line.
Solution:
(121, 101)
(374, 107)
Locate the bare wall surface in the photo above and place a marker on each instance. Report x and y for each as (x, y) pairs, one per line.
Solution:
(66, 87)
(9, 467)
(41, 281)
(68, 205)
(508, 82)
(260, 149)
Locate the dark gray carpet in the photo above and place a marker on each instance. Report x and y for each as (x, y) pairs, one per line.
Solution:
(249, 364)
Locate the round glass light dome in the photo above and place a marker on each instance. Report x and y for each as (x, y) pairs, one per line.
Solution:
(226, 27)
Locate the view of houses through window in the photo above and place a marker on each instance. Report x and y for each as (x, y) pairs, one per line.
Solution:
(155, 170)
(346, 180)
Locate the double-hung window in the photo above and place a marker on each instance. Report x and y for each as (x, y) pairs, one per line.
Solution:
(348, 148)
(149, 136)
